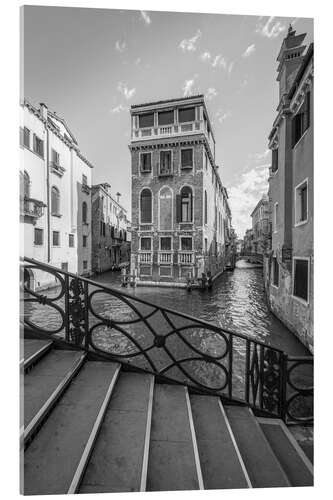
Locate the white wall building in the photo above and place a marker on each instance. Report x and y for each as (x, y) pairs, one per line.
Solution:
(55, 200)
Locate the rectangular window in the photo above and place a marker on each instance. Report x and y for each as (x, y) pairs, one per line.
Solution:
(276, 217)
(55, 157)
(275, 159)
(85, 265)
(38, 146)
(26, 137)
(165, 243)
(187, 158)
(64, 266)
(186, 244)
(301, 203)
(206, 161)
(71, 240)
(166, 117)
(275, 272)
(145, 162)
(301, 278)
(146, 120)
(38, 236)
(206, 245)
(145, 244)
(186, 115)
(165, 162)
(301, 121)
(84, 241)
(55, 238)
(84, 180)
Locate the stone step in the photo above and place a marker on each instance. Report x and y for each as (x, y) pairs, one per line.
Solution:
(263, 467)
(295, 463)
(45, 384)
(173, 455)
(119, 460)
(221, 464)
(55, 460)
(32, 351)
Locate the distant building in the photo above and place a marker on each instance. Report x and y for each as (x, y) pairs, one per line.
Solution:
(55, 203)
(110, 235)
(261, 225)
(181, 220)
(248, 242)
(289, 268)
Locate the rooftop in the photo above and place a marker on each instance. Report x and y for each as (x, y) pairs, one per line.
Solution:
(165, 101)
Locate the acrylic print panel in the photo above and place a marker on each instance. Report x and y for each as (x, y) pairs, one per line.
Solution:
(166, 283)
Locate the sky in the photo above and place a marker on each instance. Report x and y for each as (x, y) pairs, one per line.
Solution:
(91, 65)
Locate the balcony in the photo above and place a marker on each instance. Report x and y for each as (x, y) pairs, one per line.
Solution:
(145, 257)
(57, 169)
(31, 208)
(196, 127)
(185, 257)
(85, 188)
(165, 257)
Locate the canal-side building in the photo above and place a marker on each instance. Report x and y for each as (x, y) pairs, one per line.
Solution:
(110, 234)
(261, 225)
(55, 202)
(248, 242)
(181, 220)
(289, 266)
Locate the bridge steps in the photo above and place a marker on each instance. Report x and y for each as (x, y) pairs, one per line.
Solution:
(110, 430)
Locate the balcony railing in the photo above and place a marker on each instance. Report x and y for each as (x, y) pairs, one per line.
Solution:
(169, 344)
(174, 129)
(165, 257)
(57, 169)
(185, 257)
(145, 257)
(32, 208)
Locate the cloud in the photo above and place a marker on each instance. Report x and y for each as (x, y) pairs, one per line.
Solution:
(270, 28)
(190, 44)
(249, 51)
(221, 115)
(217, 61)
(118, 109)
(260, 156)
(120, 46)
(145, 16)
(125, 91)
(205, 56)
(188, 87)
(211, 93)
(245, 194)
(137, 61)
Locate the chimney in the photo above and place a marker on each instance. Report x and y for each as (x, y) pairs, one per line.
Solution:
(43, 110)
(118, 196)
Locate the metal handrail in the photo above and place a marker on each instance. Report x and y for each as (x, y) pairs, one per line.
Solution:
(170, 344)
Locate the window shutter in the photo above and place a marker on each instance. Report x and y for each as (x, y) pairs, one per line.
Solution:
(178, 208)
(308, 104)
(21, 136)
(293, 132)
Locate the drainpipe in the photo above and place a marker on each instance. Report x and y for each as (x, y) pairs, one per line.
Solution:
(43, 110)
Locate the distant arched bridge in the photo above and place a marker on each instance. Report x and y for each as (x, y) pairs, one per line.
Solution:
(253, 258)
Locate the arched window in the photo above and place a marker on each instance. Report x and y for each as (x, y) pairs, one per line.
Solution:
(186, 208)
(55, 201)
(165, 209)
(146, 207)
(84, 212)
(206, 210)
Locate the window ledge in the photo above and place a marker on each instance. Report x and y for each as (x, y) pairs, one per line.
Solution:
(170, 174)
(56, 215)
(187, 168)
(301, 223)
(300, 300)
(275, 286)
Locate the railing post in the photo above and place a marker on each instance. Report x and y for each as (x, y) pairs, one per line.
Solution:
(230, 364)
(86, 316)
(283, 386)
(67, 321)
(247, 370)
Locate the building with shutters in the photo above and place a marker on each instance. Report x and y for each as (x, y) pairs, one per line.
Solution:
(110, 235)
(261, 226)
(289, 265)
(55, 202)
(181, 220)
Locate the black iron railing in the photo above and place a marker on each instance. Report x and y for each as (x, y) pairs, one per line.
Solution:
(167, 343)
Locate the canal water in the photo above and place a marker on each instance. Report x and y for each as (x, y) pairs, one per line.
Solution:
(237, 302)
